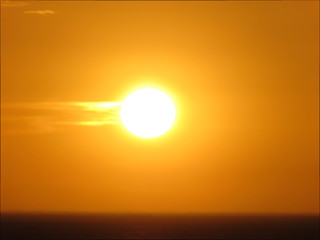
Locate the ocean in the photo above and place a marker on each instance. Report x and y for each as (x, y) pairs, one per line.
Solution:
(149, 226)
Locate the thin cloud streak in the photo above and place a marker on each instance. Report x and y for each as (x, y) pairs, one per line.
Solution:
(40, 12)
(44, 117)
(13, 3)
(89, 106)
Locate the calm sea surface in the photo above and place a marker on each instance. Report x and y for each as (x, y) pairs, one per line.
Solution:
(158, 227)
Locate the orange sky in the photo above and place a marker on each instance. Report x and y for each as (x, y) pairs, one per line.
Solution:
(244, 78)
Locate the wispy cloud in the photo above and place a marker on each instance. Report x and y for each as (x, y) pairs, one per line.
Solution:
(24, 3)
(13, 3)
(40, 12)
(46, 117)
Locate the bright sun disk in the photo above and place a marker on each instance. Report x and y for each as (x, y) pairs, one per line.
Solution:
(148, 113)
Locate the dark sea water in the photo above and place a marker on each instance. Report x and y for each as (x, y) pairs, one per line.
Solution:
(93, 227)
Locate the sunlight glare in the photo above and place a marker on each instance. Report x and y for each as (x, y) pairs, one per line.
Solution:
(148, 113)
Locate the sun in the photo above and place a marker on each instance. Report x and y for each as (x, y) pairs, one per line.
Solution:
(148, 113)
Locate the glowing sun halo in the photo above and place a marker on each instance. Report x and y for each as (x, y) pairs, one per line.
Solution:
(148, 113)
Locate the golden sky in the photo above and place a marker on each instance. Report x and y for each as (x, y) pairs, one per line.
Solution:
(244, 77)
